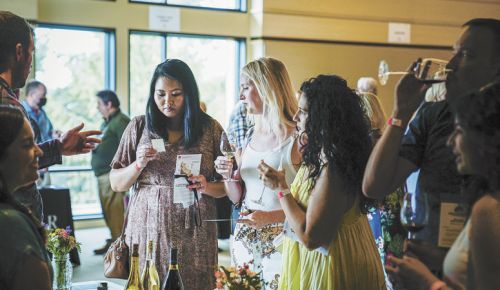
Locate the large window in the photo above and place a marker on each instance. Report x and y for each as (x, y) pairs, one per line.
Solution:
(215, 62)
(75, 63)
(239, 5)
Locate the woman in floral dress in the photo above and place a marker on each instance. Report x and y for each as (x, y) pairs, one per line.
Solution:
(158, 211)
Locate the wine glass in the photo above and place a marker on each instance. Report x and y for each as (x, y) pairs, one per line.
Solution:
(228, 148)
(428, 70)
(414, 212)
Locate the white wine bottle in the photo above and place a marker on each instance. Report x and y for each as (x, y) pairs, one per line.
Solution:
(134, 278)
(173, 281)
(149, 278)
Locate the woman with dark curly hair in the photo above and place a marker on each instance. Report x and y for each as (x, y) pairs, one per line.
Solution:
(331, 245)
(473, 261)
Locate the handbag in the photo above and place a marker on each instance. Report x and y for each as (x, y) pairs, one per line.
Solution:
(116, 260)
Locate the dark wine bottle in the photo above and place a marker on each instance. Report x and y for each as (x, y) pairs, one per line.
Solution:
(173, 281)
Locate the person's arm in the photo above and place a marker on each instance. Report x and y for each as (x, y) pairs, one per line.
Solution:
(386, 170)
(122, 179)
(38, 272)
(485, 243)
(318, 224)
(51, 154)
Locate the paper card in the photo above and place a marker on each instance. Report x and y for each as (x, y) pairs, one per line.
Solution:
(158, 145)
(399, 32)
(164, 18)
(451, 222)
(188, 164)
(289, 233)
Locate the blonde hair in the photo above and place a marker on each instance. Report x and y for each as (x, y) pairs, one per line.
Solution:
(373, 110)
(275, 89)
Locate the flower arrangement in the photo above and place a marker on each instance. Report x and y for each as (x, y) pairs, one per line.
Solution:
(60, 242)
(238, 278)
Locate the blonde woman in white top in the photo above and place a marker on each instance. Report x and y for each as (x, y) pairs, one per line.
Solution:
(267, 93)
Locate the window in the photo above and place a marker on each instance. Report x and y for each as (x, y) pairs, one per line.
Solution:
(215, 62)
(74, 63)
(239, 5)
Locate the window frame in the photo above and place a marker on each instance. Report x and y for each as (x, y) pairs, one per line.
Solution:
(109, 83)
(243, 6)
(240, 62)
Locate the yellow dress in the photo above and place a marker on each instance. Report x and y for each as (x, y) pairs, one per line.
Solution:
(353, 262)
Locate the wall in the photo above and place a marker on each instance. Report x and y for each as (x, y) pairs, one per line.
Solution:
(349, 38)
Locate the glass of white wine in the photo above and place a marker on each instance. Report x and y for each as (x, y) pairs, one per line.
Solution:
(428, 70)
(228, 148)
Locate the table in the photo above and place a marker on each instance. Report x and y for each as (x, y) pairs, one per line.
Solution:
(92, 285)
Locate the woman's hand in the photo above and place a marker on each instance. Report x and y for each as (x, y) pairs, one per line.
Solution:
(411, 271)
(199, 182)
(256, 219)
(144, 155)
(272, 178)
(224, 166)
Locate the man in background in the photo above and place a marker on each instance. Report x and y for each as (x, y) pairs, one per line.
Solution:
(16, 57)
(36, 98)
(112, 128)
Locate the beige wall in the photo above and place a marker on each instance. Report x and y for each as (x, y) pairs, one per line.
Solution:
(305, 60)
(434, 23)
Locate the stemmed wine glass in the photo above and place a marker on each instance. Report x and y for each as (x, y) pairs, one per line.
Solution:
(414, 212)
(228, 148)
(428, 70)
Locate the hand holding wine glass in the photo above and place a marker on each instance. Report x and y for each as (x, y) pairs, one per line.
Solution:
(228, 148)
(414, 212)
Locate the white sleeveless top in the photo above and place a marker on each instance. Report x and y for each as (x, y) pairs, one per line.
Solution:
(457, 258)
(254, 186)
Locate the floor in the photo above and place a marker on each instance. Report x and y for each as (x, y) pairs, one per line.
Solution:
(91, 267)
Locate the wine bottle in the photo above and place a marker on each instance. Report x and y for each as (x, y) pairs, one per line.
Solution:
(134, 278)
(150, 279)
(173, 281)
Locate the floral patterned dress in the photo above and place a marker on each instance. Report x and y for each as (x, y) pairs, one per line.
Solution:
(387, 230)
(153, 215)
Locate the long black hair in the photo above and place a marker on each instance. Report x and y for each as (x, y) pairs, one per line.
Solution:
(337, 129)
(194, 118)
(12, 120)
(479, 113)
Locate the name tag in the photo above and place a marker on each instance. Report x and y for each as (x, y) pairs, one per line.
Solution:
(451, 222)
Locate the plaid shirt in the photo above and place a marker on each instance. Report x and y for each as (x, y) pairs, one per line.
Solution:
(239, 124)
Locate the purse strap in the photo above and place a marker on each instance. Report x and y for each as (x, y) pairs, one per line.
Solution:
(125, 220)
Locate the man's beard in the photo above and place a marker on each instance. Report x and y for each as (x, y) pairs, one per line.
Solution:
(18, 76)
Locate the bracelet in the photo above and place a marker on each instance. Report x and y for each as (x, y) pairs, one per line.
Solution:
(137, 167)
(395, 122)
(437, 285)
(283, 193)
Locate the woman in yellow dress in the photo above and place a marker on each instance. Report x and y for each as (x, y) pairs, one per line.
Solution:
(328, 243)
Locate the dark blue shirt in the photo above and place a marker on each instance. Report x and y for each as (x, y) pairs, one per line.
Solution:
(424, 144)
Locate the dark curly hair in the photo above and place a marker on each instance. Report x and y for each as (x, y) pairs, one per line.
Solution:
(338, 128)
(479, 114)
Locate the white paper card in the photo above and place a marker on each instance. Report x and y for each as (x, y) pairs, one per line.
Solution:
(158, 145)
(188, 164)
(164, 18)
(399, 32)
(289, 233)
